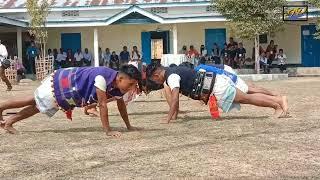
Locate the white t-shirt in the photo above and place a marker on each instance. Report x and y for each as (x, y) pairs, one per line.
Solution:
(281, 59)
(61, 57)
(78, 56)
(3, 51)
(173, 81)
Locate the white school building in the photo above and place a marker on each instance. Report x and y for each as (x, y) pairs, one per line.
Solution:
(156, 27)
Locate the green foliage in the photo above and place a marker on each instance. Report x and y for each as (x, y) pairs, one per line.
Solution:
(38, 11)
(249, 18)
(316, 3)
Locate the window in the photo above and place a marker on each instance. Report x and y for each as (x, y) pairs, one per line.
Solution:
(70, 13)
(159, 10)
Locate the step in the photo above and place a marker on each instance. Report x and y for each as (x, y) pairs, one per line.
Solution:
(263, 77)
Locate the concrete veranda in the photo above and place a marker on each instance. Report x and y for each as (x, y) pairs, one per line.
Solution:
(248, 144)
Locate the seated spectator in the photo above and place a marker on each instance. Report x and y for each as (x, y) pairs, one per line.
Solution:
(216, 54)
(114, 61)
(61, 59)
(50, 52)
(272, 51)
(193, 53)
(264, 63)
(78, 58)
(203, 55)
(87, 57)
(124, 56)
(183, 50)
(106, 57)
(232, 56)
(225, 54)
(241, 55)
(282, 60)
(70, 59)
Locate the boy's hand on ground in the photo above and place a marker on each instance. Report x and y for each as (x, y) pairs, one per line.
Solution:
(114, 133)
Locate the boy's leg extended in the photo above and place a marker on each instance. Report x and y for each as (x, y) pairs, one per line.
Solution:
(252, 89)
(262, 100)
(16, 103)
(23, 114)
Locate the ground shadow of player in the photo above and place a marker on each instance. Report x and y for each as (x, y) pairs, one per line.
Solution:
(196, 118)
(89, 129)
(159, 112)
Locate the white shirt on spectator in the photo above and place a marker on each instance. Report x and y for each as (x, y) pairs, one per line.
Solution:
(78, 56)
(87, 56)
(135, 55)
(61, 57)
(281, 59)
(264, 60)
(173, 81)
(3, 51)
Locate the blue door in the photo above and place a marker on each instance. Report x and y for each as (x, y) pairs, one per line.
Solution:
(71, 41)
(215, 36)
(310, 47)
(146, 46)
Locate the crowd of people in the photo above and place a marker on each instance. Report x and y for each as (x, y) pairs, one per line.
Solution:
(271, 55)
(65, 59)
(233, 54)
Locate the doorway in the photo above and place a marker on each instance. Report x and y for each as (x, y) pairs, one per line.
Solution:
(310, 47)
(154, 45)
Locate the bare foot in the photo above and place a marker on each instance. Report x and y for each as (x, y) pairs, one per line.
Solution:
(2, 124)
(10, 129)
(92, 112)
(278, 113)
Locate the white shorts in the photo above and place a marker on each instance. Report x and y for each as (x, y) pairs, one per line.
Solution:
(240, 84)
(225, 90)
(44, 98)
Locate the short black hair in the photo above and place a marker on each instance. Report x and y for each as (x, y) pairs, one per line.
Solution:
(131, 71)
(151, 68)
(172, 65)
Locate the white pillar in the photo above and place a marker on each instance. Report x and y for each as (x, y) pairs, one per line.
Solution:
(19, 42)
(96, 47)
(175, 39)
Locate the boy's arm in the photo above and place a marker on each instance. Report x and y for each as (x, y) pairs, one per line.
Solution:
(123, 112)
(102, 102)
(174, 106)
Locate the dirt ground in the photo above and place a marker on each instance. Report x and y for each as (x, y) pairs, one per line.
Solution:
(248, 144)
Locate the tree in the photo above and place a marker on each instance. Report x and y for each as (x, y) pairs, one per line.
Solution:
(316, 3)
(251, 18)
(38, 11)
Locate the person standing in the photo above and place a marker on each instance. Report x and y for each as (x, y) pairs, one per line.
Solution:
(124, 56)
(32, 53)
(3, 56)
(106, 57)
(136, 58)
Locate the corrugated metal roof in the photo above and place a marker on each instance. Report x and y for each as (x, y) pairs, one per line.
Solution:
(9, 4)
